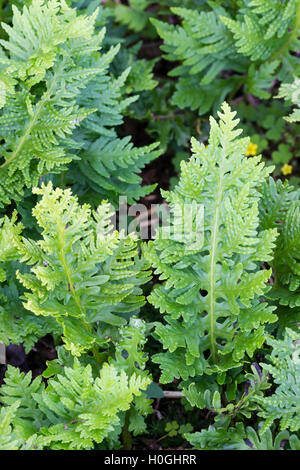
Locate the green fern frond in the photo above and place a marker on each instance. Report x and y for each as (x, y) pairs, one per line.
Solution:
(221, 436)
(291, 92)
(134, 15)
(75, 411)
(280, 208)
(50, 52)
(17, 325)
(8, 440)
(36, 34)
(83, 274)
(213, 38)
(131, 358)
(276, 15)
(210, 293)
(284, 367)
(111, 167)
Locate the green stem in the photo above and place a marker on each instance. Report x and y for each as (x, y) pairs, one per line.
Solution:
(212, 263)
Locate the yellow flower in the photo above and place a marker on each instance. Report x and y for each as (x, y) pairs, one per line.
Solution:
(286, 169)
(252, 149)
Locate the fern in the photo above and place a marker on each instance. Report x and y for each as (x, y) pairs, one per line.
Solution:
(210, 294)
(110, 165)
(291, 92)
(284, 367)
(134, 15)
(215, 39)
(17, 325)
(279, 207)
(229, 432)
(83, 275)
(48, 85)
(19, 388)
(7, 439)
(221, 436)
(222, 395)
(47, 64)
(287, 262)
(75, 411)
(225, 297)
(130, 357)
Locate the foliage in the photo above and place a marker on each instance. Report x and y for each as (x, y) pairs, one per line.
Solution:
(292, 92)
(47, 88)
(99, 102)
(211, 292)
(283, 404)
(36, 125)
(273, 135)
(84, 275)
(76, 410)
(280, 208)
(213, 38)
(222, 437)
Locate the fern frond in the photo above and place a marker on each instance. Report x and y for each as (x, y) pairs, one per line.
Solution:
(131, 358)
(111, 167)
(36, 34)
(275, 14)
(284, 367)
(8, 440)
(75, 411)
(134, 15)
(280, 208)
(17, 325)
(291, 92)
(50, 52)
(221, 436)
(83, 274)
(19, 388)
(210, 293)
(216, 37)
